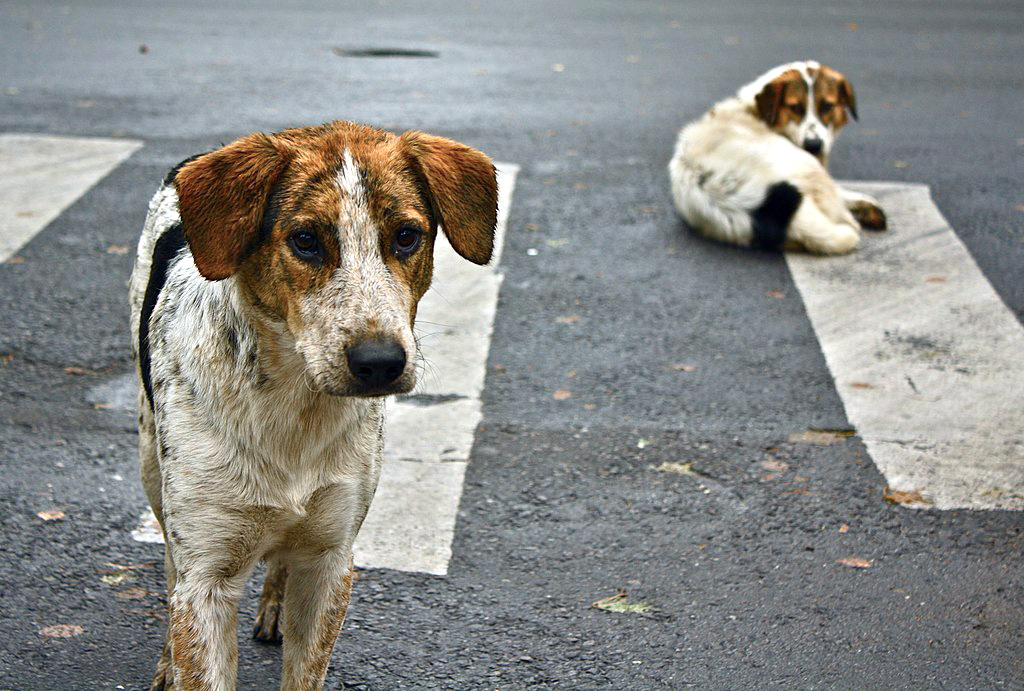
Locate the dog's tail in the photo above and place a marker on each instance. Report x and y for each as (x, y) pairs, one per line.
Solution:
(769, 221)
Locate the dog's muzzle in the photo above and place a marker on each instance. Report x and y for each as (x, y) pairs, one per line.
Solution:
(813, 146)
(376, 364)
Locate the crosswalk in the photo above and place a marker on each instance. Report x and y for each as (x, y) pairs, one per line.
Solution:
(927, 359)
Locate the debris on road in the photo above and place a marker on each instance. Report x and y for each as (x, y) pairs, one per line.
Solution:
(619, 603)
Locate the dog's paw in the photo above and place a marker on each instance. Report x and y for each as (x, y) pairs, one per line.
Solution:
(268, 622)
(869, 215)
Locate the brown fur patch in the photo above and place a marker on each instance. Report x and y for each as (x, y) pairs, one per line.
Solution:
(783, 100)
(188, 653)
(833, 96)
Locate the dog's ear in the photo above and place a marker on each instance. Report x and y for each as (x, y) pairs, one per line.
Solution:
(847, 97)
(463, 190)
(769, 101)
(221, 198)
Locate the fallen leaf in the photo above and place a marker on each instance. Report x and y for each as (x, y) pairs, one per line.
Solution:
(102, 406)
(118, 249)
(51, 515)
(855, 562)
(678, 468)
(6, 359)
(62, 631)
(852, 26)
(860, 385)
(499, 368)
(619, 603)
(777, 294)
(133, 594)
(899, 497)
(562, 395)
(680, 367)
(568, 319)
(822, 437)
(775, 465)
(844, 529)
(117, 578)
(78, 371)
(939, 279)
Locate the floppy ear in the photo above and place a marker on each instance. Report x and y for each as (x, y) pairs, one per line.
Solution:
(769, 101)
(221, 198)
(462, 188)
(847, 97)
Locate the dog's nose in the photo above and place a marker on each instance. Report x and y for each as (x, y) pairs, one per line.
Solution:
(813, 145)
(376, 363)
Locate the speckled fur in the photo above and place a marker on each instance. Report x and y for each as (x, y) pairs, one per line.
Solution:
(258, 442)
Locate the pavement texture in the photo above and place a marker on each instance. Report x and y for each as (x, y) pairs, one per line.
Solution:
(736, 545)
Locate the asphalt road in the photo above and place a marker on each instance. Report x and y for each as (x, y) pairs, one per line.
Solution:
(561, 507)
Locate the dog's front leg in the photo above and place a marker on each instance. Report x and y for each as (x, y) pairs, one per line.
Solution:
(316, 599)
(865, 209)
(213, 565)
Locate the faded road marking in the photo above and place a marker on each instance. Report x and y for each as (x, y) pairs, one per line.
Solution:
(412, 519)
(927, 359)
(40, 176)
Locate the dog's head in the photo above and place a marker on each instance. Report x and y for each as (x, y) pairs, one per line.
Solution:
(806, 102)
(329, 232)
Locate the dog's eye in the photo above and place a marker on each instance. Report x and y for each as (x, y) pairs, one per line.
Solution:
(825, 108)
(798, 109)
(306, 246)
(407, 239)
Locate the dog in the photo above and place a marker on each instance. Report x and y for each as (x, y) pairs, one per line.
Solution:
(753, 169)
(272, 307)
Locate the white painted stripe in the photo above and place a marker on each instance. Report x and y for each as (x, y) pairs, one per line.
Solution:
(927, 359)
(40, 176)
(412, 519)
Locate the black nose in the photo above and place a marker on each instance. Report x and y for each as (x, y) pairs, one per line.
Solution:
(813, 145)
(376, 363)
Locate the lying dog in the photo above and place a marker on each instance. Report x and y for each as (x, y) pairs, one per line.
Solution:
(752, 171)
(273, 299)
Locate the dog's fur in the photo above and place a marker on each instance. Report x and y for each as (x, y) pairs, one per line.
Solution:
(752, 170)
(272, 305)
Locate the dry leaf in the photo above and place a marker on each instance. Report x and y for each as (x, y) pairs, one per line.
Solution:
(777, 294)
(899, 497)
(78, 371)
(680, 367)
(855, 562)
(619, 603)
(102, 406)
(844, 529)
(852, 26)
(678, 468)
(935, 279)
(133, 594)
(775, 465)
(6, 359)
(568, 319)
(62, 631)
(821, 437)
(562, 394)
(117, 578)
(51, 515)
(860, 385)
(118, 249)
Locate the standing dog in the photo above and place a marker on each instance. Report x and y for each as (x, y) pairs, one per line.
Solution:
(752, 170)
(273, 299)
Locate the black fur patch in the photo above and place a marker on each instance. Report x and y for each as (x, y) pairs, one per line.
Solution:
(770, 220)
(167, 247)
(169, 179)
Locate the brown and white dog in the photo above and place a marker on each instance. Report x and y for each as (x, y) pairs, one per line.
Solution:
(752, 170)
(272, 306)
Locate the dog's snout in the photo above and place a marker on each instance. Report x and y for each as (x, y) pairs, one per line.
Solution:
(813, 145)
(376, 364)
